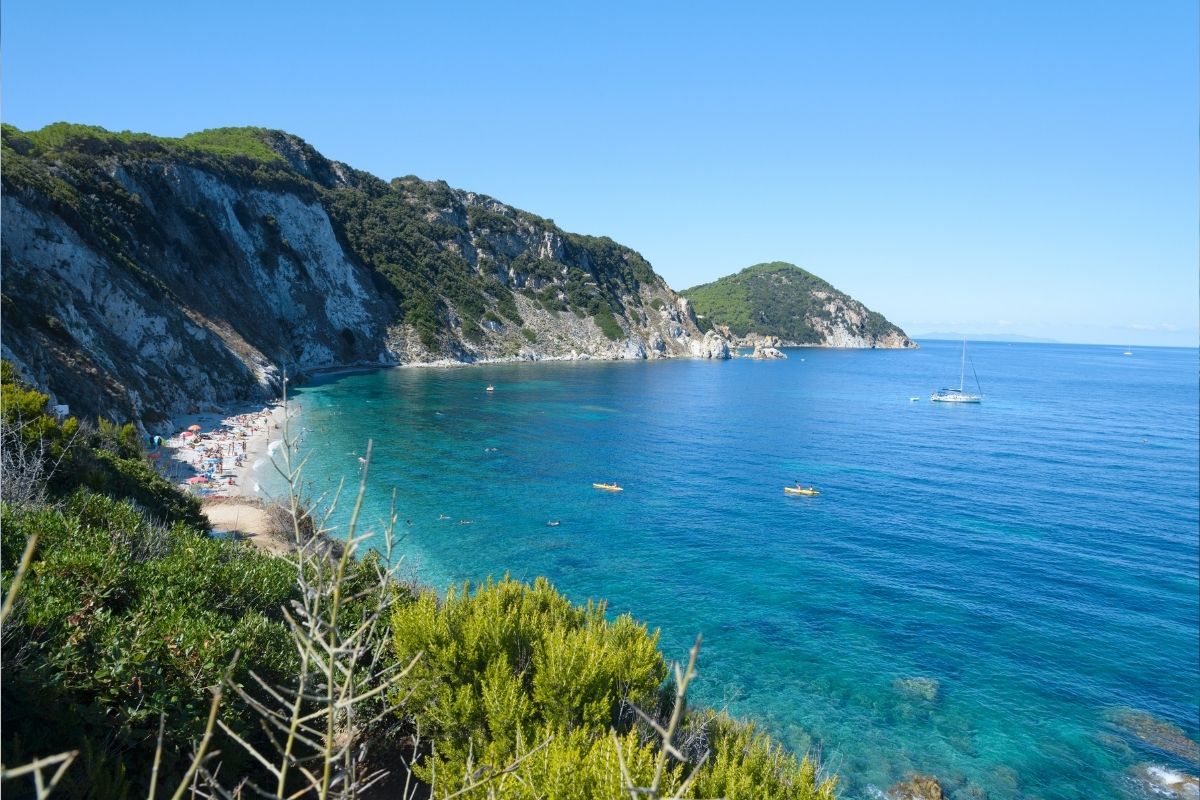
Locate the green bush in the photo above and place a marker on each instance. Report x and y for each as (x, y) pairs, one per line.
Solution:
(107, 459)
(746, 765)
(122, 620)
(529, 335)
(512, 660)
(510, 668)
(607, 323)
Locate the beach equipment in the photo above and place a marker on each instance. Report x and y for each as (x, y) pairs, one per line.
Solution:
(197, 479)
(193, 428)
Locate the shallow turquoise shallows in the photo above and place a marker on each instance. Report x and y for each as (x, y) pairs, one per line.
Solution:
(980, 592)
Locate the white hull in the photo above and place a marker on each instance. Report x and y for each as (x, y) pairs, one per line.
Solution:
(958, 395)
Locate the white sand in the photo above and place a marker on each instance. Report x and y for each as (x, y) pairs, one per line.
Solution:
(245, 520)
(233, 453)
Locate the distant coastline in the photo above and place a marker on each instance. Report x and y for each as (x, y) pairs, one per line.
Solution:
(1014, 338)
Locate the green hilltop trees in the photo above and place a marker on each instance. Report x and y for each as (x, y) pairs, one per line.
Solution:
(775, 299)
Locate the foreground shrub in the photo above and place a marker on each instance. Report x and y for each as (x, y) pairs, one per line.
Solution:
(515, 681)
(47, 457)
(513, 662)
(121, 621)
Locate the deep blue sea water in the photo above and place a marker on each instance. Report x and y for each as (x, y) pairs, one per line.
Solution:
(1036, 555)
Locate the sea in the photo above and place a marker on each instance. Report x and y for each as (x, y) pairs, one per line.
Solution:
(1005, 596)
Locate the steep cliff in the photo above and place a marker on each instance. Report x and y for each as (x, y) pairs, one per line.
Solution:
(144, 275)
(779, 300)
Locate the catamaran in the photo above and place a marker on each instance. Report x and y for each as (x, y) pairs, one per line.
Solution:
(958, 395)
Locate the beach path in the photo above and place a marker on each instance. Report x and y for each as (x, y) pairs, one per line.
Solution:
(246, 521)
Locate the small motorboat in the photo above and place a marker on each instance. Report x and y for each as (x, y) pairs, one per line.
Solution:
(608, 487)
(490, 388)
(808, 491)
(553, 523)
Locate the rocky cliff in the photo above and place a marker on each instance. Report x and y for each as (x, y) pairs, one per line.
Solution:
(779, 304)
(144, 275)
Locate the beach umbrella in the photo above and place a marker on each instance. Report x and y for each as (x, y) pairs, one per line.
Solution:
(193, 428)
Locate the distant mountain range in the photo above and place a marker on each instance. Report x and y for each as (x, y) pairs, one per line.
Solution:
(986, 337)
(782, 300)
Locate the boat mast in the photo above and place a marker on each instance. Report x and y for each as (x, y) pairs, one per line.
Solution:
(962, 367)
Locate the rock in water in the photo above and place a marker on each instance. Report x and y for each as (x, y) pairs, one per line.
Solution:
(916, 787)
(766, 353)
(713, 345)
(921, 687)
(1157, 733)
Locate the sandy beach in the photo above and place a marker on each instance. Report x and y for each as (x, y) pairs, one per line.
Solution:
(222, 459)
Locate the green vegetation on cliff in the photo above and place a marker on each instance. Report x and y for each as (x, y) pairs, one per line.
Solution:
(780, 299)
(444, 258)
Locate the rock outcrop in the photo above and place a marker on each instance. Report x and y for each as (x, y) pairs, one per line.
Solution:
(712, 345)
(1157, 733)
(144, 276)
(916, 787)
(919, 687)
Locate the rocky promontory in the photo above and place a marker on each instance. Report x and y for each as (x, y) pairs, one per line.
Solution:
(790, 307)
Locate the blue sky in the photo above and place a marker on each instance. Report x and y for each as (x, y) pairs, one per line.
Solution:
(1023, 167)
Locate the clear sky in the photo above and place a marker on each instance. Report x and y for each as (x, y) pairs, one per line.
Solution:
(1004, 166)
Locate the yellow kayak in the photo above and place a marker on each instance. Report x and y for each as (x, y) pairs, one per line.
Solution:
(608, 487)
(809, 492)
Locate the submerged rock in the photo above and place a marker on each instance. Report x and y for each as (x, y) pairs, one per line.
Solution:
(917, 787)
(1157, 733)
(918, 686)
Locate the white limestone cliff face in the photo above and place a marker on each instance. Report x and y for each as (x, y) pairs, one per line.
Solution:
(236, 285)
(847, 325)
(142, 347)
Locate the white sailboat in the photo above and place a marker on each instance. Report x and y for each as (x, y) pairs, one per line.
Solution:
(958, 395)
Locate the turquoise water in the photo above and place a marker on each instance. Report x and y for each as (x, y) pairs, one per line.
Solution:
(1036, 555)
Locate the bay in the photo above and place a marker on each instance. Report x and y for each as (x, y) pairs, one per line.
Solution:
(979, 592)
